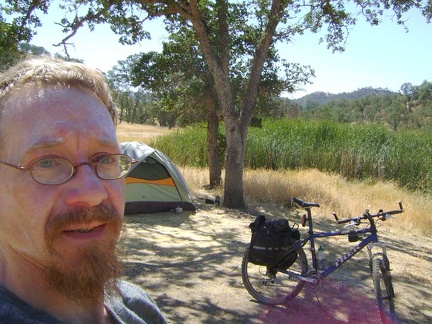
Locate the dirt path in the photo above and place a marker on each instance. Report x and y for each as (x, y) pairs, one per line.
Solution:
(190, 264)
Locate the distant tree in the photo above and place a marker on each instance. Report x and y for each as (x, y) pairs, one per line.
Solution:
(408, 90)
(135, 104)
(424, 92)
(119, 76)
(68, 58)
(32, 49)
(410, 93)
(396, 113)
(182, 91)
(288, 109)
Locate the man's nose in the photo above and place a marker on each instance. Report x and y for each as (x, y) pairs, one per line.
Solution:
(85, 187)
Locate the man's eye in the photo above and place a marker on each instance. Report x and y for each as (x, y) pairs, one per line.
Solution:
(47, 163)
(104, 159)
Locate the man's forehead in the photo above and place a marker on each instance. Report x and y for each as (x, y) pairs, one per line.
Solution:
(33, 100)
(51, 117)
(54, 140)
(31, 92)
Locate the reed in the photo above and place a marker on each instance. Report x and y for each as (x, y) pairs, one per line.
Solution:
(185, 147)
(363, 152)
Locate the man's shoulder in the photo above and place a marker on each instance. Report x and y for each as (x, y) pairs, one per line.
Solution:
(133, 305)
(15, 310)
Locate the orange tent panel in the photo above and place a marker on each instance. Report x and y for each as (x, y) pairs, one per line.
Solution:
(161, 182)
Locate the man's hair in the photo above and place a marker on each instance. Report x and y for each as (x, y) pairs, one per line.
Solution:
(46, 71)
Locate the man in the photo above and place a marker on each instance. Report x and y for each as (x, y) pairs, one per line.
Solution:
(62, 200)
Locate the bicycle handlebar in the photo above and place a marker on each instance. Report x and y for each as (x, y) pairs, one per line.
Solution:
(354, 220)
(383, 215)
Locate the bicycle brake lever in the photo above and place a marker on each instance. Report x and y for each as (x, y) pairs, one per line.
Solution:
(352, 224)
(387, 216)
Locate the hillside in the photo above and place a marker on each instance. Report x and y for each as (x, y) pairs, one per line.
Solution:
(319, 98)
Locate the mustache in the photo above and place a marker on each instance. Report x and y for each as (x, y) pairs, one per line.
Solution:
(102, 213)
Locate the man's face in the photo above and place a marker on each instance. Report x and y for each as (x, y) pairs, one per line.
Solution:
(59, 229)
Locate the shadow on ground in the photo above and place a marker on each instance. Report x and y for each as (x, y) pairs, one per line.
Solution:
(190, 264)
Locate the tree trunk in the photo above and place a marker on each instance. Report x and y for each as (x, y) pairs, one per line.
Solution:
(236, 135)
(212, 144)
(236, 118)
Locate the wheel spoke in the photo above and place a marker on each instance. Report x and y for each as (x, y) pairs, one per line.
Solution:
(273, 287)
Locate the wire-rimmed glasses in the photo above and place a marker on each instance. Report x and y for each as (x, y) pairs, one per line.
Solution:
(57, 170)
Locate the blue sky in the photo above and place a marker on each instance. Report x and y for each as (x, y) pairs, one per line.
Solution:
(383, 56)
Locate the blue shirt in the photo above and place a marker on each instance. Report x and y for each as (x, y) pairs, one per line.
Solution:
(131, 305)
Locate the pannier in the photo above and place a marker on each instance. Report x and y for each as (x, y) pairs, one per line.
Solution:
(271, 239)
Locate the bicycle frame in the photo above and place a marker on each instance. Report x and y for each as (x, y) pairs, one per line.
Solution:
(373, 237)
(311, 236)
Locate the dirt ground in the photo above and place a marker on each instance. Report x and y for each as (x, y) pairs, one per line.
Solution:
(190, 263)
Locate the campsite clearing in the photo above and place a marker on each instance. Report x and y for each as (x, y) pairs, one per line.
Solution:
(190, 264)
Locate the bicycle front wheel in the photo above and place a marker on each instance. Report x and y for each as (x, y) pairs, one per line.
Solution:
(273, 287)
(384, 290)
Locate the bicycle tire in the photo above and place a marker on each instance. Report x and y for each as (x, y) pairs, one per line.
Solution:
(272, 289)
(384, 291)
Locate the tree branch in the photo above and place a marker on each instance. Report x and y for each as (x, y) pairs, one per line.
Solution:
(25, 20)
(251, 91)
(78, 23)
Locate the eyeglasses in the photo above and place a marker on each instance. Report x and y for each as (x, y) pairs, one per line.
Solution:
(57, 170)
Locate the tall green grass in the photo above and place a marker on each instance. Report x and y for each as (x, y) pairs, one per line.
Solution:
(187, 147)
(364, 152)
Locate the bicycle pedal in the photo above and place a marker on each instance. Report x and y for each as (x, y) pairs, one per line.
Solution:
(265, 282)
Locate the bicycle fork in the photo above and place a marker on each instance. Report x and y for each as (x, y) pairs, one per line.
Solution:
(383, 247)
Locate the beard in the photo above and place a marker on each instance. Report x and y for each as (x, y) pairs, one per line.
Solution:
(84, 275)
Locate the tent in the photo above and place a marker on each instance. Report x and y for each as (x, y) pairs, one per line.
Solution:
(154, 184)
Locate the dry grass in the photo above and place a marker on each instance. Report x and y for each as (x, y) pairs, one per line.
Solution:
(332, 192)
(140, 133)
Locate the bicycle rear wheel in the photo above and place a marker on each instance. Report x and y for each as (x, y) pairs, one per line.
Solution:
(384, 292)
(270, 286)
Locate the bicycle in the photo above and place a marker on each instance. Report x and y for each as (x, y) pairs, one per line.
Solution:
(277, 284)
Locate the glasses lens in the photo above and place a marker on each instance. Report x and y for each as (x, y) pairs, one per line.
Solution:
(52, 170)
(113, 166)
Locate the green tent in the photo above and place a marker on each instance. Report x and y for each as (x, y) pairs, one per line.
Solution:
(154, 184)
